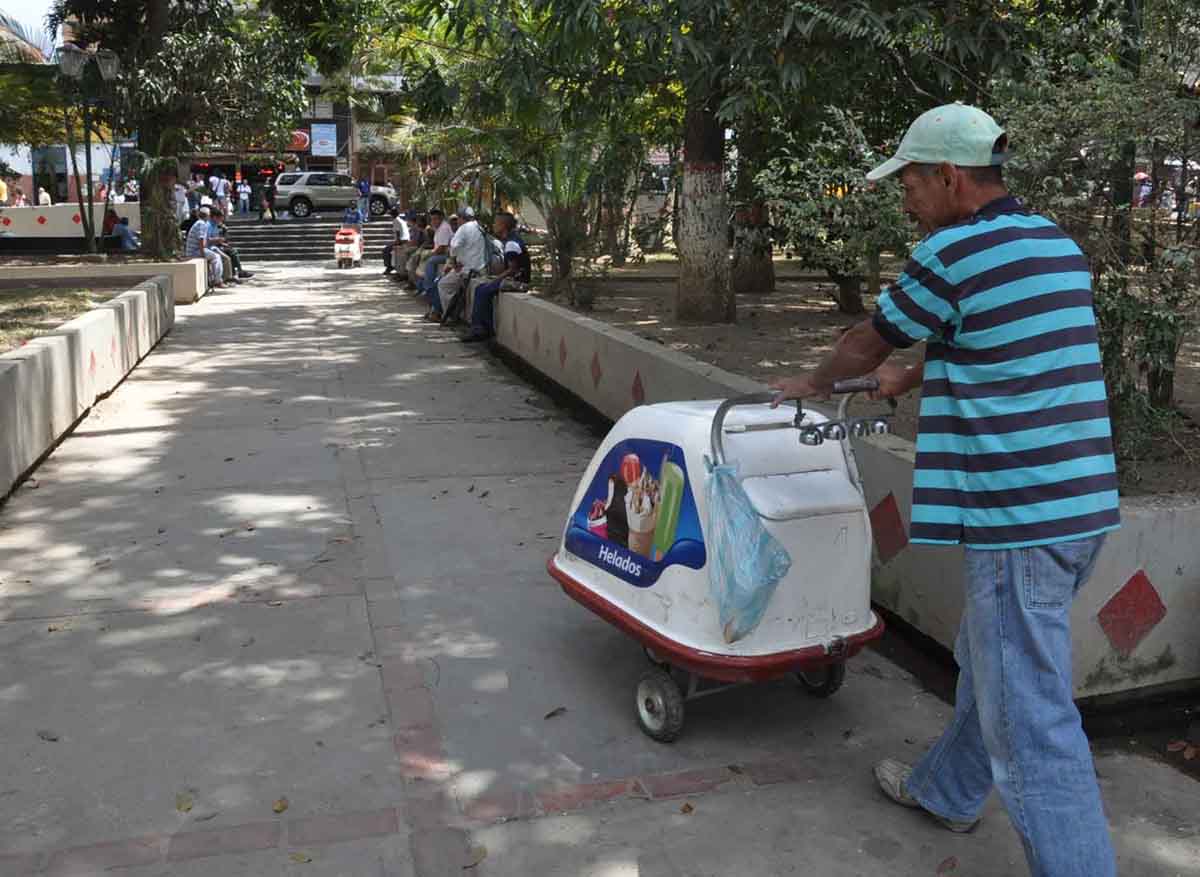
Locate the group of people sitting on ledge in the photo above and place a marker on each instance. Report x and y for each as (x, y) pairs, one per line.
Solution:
(457, 265)
(206, 237)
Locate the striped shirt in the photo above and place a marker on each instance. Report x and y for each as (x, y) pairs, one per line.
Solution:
(1014, 446)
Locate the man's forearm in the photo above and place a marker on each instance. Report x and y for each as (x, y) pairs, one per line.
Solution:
(858, 352)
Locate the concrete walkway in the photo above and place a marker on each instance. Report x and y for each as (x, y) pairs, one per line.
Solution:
(279, 607)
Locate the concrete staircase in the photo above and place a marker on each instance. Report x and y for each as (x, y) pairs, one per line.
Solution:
(301, 240)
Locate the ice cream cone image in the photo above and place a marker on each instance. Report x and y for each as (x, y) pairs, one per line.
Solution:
(643, 517)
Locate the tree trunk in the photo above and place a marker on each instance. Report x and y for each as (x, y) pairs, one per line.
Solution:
(753, 268)
(703, 294)
(849, 293)
(1122, 174)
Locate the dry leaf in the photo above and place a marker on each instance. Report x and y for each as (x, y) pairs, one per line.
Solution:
(948, 865)
(475, 856)
(555, 713)
(183, 802)
(686, 809)
(48, 736)
(1177, 746)
(300, 858)
(1190, 753)
(274, 602)
(341, 540)
(280, 805)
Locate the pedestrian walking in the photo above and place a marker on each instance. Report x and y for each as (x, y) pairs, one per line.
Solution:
(267, 204)
(1015, 462)
(364, 199)
(243, 191)
(43, 197)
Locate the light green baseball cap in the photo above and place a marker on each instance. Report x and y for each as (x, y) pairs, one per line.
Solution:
(955, 133)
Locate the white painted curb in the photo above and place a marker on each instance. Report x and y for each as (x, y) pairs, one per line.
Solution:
(1133, 624)
(188, 278)
(50, 382)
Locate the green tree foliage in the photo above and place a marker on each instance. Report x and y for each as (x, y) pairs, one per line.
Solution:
(828, 213)
(193, 73)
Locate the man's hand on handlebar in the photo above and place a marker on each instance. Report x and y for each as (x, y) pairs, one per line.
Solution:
(894, 380)
(799, 387)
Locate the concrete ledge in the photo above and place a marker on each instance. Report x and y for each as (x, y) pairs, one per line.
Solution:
(49, 383)
(1133, 624)
(188, 278)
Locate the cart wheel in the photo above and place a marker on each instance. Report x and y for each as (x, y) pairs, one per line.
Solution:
(823, 681)
(659, 706)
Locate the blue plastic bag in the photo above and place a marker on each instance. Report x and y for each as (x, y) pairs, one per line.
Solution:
(745, 562)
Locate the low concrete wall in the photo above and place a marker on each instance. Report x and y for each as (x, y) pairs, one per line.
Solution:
(187, 278)
(1134, 624)
(50, 382)
(61, 220)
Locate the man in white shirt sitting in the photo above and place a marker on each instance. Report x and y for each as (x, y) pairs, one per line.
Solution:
(394, 253)
(468, 258)
(427, 282)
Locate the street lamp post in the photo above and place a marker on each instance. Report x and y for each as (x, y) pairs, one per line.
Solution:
(73, 62)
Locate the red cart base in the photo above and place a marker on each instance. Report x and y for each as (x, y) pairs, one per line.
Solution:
(720, 668)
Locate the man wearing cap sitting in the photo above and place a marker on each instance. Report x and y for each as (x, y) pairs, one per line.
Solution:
(196, 246)
(468, 259)
(1015, 462)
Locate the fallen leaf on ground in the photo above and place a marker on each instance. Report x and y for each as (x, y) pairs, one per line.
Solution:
(48, 736)
(183, 802)
(249, 526)
(229, 459)
(471, 489)
(1189, 753)
(686, 809)
(948, 865)
(280, 805)
(300, 858)
(341, 540)
(555, 713)
(205, 817)
(1177, 746)
(274, 602)
(734, 768)
(474, 856)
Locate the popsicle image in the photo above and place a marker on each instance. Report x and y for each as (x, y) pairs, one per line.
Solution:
(670, 501)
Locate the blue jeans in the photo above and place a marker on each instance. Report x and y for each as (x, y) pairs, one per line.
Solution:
(364, 207)
(429, 281)
(481, 310)
(1015, 724)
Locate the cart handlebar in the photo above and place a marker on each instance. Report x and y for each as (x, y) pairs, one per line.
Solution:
(718, 424)
(847, 388)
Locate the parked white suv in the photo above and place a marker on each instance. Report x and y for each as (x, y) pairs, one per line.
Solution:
(302, 192)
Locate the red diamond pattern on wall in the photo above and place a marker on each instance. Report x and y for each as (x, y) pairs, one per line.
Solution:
(597, 372)
(77, 219)
(562, 352)
(637, 390)
(6, 221)
(1133, 612)
(888, 528)
(41, 220)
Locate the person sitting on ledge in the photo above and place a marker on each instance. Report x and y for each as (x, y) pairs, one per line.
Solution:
(516, 269)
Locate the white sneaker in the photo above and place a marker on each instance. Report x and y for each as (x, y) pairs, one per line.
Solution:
(892, 775)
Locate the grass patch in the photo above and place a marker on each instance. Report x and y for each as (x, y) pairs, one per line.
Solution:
(28, 313)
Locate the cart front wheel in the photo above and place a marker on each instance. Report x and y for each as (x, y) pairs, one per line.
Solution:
(659, 706)
(823, 681)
